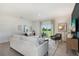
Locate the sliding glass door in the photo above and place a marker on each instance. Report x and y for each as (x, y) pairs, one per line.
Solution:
(47, 28)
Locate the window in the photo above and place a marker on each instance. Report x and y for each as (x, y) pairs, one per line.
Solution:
(47, 28)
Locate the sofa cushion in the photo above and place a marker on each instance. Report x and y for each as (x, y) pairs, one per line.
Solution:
(34, 39)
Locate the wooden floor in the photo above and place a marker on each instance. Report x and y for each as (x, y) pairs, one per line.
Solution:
(62, 51)
(5, 50)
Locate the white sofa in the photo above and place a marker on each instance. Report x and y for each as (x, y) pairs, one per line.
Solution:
(29, 46)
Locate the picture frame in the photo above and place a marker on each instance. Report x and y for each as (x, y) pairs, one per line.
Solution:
(62, 27)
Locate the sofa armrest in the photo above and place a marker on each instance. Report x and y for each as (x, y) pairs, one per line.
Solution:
(43, 48)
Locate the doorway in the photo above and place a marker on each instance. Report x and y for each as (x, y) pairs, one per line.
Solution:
(47, 28)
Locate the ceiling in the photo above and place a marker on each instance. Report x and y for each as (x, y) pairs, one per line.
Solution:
(35, 11)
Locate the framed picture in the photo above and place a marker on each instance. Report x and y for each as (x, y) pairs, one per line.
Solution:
(62, 27)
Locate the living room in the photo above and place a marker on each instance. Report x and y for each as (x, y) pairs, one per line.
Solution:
(18, 21)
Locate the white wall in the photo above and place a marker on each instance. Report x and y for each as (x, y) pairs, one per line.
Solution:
(36, 27)
(62, 19)
(9, 26)
(55, 21)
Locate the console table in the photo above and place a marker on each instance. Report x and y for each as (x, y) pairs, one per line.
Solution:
(72, 44)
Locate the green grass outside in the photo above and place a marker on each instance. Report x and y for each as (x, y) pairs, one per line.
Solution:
(48, 33)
